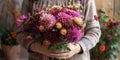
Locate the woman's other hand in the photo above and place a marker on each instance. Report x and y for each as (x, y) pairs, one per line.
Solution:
(74, 49)
(38, 48)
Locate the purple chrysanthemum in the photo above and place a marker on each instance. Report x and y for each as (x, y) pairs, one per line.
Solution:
(23, 17)
(73, 35)
(47, 20)
(63, 17)
(19, 24)
(21, 21)
(73, 13)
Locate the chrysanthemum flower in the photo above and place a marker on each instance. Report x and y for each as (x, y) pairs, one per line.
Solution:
(73, 13)
(47, 20)
(63, 31)
(70, 6)
(57, 7)
(58, 25)
(41, 28)
(21, 21)
(63, 17)
(78, 21)
(23, 17)
(73, 35)
(54, 11)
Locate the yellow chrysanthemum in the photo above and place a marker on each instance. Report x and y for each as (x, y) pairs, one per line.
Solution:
(75, 7)
(58, 7)
(41, 28)
(78, 21)
(63, 31)
(70, 6)
(48, 9)
(58, 25)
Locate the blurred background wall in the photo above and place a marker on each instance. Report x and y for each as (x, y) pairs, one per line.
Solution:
(111, 7)
(117, 6)
(107, 6)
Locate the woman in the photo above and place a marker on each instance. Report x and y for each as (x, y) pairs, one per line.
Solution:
(79, 51)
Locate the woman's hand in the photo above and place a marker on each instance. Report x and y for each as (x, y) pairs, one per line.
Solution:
(38, 48)
(75, 48)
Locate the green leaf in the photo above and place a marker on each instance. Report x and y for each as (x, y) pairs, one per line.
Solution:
(105, 18)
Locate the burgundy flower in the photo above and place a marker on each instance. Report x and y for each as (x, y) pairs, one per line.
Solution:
(113, 24)
(54, 11)
(53, 37)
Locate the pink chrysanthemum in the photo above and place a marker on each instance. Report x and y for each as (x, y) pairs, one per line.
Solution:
(47, 20)
(63, 17)
(73, 13)
(73, 35)
(21, 21)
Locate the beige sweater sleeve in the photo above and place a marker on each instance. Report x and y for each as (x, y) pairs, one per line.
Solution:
(92, 30)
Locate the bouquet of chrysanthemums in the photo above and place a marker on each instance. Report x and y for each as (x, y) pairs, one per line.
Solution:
(54, 27)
